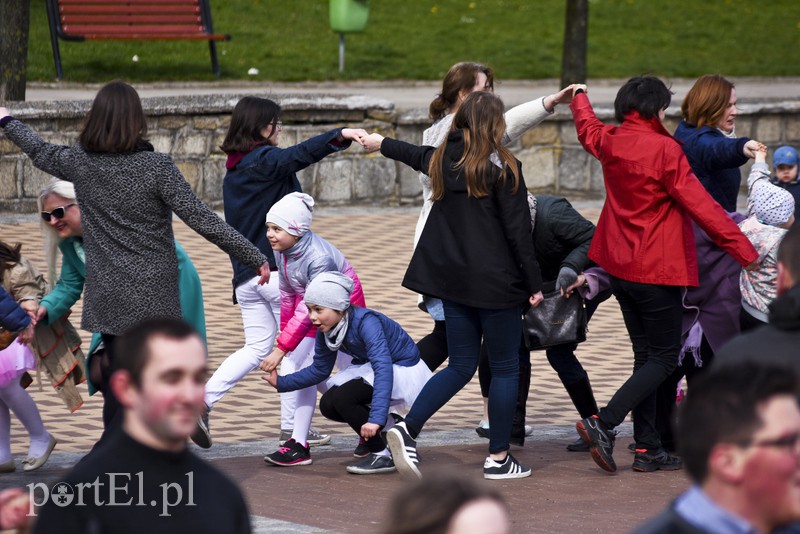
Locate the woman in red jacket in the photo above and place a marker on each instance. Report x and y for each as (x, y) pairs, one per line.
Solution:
(644, 240)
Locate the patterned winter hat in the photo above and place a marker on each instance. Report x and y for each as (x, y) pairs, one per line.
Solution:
(770, 204)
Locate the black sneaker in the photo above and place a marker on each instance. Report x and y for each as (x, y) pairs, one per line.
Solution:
(482, 431)
(404, 450)
(292, 453)
(647, 462)
(361, 450)
(373, 464)
(202, 435)
(632, 447)
(601, 442)
(578, 446)
(510, 468)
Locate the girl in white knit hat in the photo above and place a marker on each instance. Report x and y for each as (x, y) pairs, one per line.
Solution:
(770, 214)
(300, 255)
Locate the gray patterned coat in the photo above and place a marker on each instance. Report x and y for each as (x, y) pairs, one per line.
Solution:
(127, 201)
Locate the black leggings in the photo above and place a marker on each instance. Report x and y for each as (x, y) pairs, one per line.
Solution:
(350, 403)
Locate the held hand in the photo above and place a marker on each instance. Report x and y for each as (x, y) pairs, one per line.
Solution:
(754, 266)
(41, 313)
(272, 361)
(536, 299)
(576, 86)
(271, 379)
(567, 293)
(566, 277)
(4, 113)
(26, 336)
(564, 96)
(761, 154)
(751, 147)
(263, 272)
(354, 134)
(372, 142)
(31, 307)
(369, 430)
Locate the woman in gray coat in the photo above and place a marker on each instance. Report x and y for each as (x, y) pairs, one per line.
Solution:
(127, 193)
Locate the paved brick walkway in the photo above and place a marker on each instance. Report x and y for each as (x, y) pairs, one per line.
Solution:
(566, 492)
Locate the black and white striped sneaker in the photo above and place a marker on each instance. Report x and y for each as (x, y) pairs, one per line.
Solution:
(404, 450)
(510, 468)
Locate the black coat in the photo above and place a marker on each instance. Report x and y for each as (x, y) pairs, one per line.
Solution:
(473, 251)
(781, 336)
(561, 237)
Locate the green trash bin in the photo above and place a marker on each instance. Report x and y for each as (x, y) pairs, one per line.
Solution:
(349, 15)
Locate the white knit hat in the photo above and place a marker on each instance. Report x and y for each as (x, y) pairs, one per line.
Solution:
(292, 213)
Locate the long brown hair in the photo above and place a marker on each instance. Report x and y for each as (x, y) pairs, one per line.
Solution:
(481, 119)
(461, 77)
(116, 122)
(707, 100)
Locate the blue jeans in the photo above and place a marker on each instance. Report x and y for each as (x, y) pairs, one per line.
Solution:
(501, 330)
(652, 316)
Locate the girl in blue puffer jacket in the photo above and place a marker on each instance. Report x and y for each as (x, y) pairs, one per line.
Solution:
(386, 372)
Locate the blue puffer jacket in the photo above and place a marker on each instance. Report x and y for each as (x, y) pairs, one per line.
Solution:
(715, 160)
(12, 317)
(371, 338)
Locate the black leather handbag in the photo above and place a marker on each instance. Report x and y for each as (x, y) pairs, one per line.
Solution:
(555, 321)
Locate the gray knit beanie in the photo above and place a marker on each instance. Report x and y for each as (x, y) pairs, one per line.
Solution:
(330, 289)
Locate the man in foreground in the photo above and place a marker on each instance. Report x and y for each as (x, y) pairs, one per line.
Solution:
(145, 479)
(739, 435)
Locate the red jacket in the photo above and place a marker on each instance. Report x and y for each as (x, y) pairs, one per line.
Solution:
(644, 234)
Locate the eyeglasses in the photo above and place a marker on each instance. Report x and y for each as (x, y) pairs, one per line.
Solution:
(787, 442)
(58, 212)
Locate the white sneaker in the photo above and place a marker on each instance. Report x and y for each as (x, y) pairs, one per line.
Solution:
(314, 438)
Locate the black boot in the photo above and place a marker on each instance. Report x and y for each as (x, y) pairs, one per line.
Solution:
(583, 398)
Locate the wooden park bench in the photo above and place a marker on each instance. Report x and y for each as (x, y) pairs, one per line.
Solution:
(131, 20)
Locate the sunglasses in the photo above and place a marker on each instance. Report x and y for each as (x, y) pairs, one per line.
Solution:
(58, 212)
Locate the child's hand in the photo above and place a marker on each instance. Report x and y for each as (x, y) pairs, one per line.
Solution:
(271, 379)
(4, 113)
(754, 266)
(752, 147)
(30, 307)
(372, 142)
(26, 336)
(354, 134)
(41, 313)
(576, 86)
(272, 361)
(369, 430)
(761, 154)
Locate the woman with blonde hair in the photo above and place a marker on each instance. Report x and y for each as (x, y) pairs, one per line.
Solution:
(62, 232)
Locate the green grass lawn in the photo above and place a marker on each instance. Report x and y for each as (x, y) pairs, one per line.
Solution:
(291, 40)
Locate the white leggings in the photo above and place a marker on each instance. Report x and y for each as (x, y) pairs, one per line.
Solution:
(261, 309)
(17, 400)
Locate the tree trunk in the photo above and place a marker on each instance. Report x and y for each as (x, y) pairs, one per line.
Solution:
(576, 30)
(14, 24)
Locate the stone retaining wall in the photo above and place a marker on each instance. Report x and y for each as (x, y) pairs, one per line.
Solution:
(191, 129)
